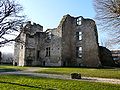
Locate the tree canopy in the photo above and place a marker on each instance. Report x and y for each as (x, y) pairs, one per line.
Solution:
(10, 20)
(108, 17)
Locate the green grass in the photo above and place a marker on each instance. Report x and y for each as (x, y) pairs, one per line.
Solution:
(89, 72)
(19, 82)
(103, 73)
(4, 68)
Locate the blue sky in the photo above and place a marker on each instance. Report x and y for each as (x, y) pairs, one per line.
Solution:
(48, 13)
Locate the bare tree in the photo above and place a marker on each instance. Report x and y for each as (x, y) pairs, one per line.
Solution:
(108, 17)
(0, 57)
(10, 20)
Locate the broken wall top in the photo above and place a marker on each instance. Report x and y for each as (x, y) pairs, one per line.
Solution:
(32, 28)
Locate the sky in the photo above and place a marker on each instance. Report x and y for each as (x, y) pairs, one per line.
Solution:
(48, 13)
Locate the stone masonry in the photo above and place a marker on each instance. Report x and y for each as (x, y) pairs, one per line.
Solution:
(73, 43)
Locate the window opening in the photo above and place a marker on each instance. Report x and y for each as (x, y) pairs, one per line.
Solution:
(79, 35)
(79, 21)
(38, 54)
(79, 52)
(48, 52)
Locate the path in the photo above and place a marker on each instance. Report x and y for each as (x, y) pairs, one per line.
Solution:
(67, 77)
(33, 69)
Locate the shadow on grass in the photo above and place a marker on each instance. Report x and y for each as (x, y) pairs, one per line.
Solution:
(100, 67)
(26, 85)
(8, 70)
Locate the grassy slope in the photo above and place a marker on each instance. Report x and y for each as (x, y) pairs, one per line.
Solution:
(104, 73)
(17, 82)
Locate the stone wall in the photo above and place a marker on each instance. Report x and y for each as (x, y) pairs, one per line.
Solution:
(88, 43)
(28, 45)
(90, 50)
(40, 48)
(54, 43)
(106, 57)
(59, 46)
(19, 50)
(16, 53)
(68, 50)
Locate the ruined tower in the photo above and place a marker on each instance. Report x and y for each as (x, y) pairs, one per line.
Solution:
(73, 43)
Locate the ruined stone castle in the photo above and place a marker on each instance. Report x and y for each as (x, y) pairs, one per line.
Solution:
(73, 43)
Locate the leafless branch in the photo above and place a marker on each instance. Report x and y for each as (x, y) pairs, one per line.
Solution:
(10, 20)
(108, 17)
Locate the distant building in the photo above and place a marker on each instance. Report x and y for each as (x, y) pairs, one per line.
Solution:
(73, 43)
(105, 55)
(116, 56)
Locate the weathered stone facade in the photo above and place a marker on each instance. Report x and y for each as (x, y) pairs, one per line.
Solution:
(106, 56)
(73, 43)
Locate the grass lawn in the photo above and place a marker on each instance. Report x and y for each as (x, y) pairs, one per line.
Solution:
(90, 72)
(103, 73)
(5, 68)
(19, 82)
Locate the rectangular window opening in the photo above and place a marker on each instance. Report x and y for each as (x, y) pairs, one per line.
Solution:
(49, 36)
(79, 35)
(38, 54)
(48, 52)
(79, 21)
(79, 52)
